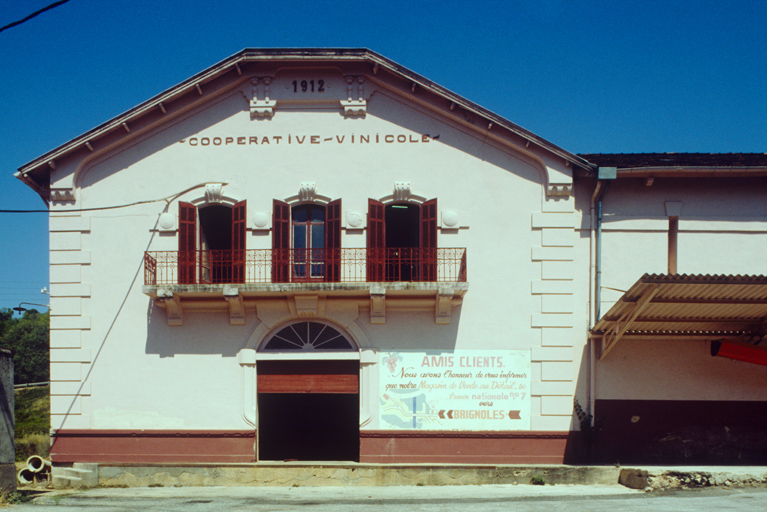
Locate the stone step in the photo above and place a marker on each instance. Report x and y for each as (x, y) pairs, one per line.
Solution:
(67, 481)
(77, 470)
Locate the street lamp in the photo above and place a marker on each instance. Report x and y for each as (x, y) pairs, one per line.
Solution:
(21, 309)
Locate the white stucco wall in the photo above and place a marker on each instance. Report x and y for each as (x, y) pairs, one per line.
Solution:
(136, 371)
(722, 230)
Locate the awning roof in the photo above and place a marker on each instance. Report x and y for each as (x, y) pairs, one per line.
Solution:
(674, 307)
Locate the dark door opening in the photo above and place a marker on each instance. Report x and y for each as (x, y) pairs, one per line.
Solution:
(402, 241)
(308, 426)
(308, 410)
(216, 244)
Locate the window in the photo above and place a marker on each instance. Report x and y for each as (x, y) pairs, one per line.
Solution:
(221, 257)
(308, 336)
(402, 241)
(306, 242)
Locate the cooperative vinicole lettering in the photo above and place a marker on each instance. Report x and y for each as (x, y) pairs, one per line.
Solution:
(291, 139)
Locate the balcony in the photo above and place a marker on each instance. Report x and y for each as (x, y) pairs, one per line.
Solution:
(203, 280)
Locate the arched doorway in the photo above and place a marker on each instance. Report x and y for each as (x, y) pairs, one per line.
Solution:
(308, 408)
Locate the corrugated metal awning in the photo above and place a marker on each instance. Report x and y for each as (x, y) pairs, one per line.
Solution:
(689, 307)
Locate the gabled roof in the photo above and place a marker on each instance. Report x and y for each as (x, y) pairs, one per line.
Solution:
(251, 61)
(687, 307)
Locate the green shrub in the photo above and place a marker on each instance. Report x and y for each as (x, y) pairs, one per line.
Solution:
(33, 422)
(32, 444)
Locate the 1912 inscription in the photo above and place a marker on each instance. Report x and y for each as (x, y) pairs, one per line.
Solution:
(308, 86)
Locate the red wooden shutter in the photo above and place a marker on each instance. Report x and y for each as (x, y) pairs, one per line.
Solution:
(280, 242)
(429, 240)
(333, 241)
(187, 242)
(376, 253)
(239, 212)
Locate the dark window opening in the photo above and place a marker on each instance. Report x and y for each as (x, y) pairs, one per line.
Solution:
(402, 225)
(215, 244)
(220, 256)
(402, 235)
(402, 241)
(215, 228)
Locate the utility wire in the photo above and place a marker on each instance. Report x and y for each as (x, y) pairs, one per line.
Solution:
(85, 209)
(36, 13)
(167, 199)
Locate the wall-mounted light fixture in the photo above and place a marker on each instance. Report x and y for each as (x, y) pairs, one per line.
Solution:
(21, 309)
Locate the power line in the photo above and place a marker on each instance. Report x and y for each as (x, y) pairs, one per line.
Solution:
(167, 199)
(115, 207)
(36, 13)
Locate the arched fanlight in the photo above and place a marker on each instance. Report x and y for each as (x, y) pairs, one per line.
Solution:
(308, 336)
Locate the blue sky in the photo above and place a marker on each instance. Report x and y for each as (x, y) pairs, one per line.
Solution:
(590, 76)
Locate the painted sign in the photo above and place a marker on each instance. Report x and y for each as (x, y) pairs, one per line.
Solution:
(460, 390)
(291, 139)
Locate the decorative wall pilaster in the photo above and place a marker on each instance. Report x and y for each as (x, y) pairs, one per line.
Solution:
(554, 365)
(70, 327)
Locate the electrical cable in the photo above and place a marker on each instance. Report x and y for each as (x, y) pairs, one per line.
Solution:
(167, 199)
(36, 13)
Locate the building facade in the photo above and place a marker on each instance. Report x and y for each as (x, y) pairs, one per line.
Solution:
(321, 255)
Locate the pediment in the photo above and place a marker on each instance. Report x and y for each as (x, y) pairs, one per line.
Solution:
(322, 79)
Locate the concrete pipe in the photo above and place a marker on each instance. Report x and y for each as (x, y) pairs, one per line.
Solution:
(26, 476)
(37, 464)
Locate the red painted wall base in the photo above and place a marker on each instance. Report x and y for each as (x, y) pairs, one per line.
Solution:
(393, 446)
(153, 446)
(380, 446)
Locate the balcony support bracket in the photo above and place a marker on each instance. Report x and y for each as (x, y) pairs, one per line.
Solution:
(444, 305)
(377, 305)
(236, 306)
(171, 302)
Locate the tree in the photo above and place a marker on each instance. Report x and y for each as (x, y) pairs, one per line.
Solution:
(6, 315)
(28, 339)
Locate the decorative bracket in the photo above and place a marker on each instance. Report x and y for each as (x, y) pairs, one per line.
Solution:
(558, 190)
(402, 191)
(377, 305)
(559, 182)
(172, 304)
(261, 108)
(236, 306)
(355, 104)
(307, 306)
(63, 195)
(307, 191)
(214, 192)
(444, 305)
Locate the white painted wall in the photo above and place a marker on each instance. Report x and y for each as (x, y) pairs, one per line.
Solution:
(722, 230)
(117, 363)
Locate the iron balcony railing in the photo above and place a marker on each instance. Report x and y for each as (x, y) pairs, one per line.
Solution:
(304, 265)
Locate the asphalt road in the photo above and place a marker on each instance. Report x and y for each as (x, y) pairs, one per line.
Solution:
(496, 498)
